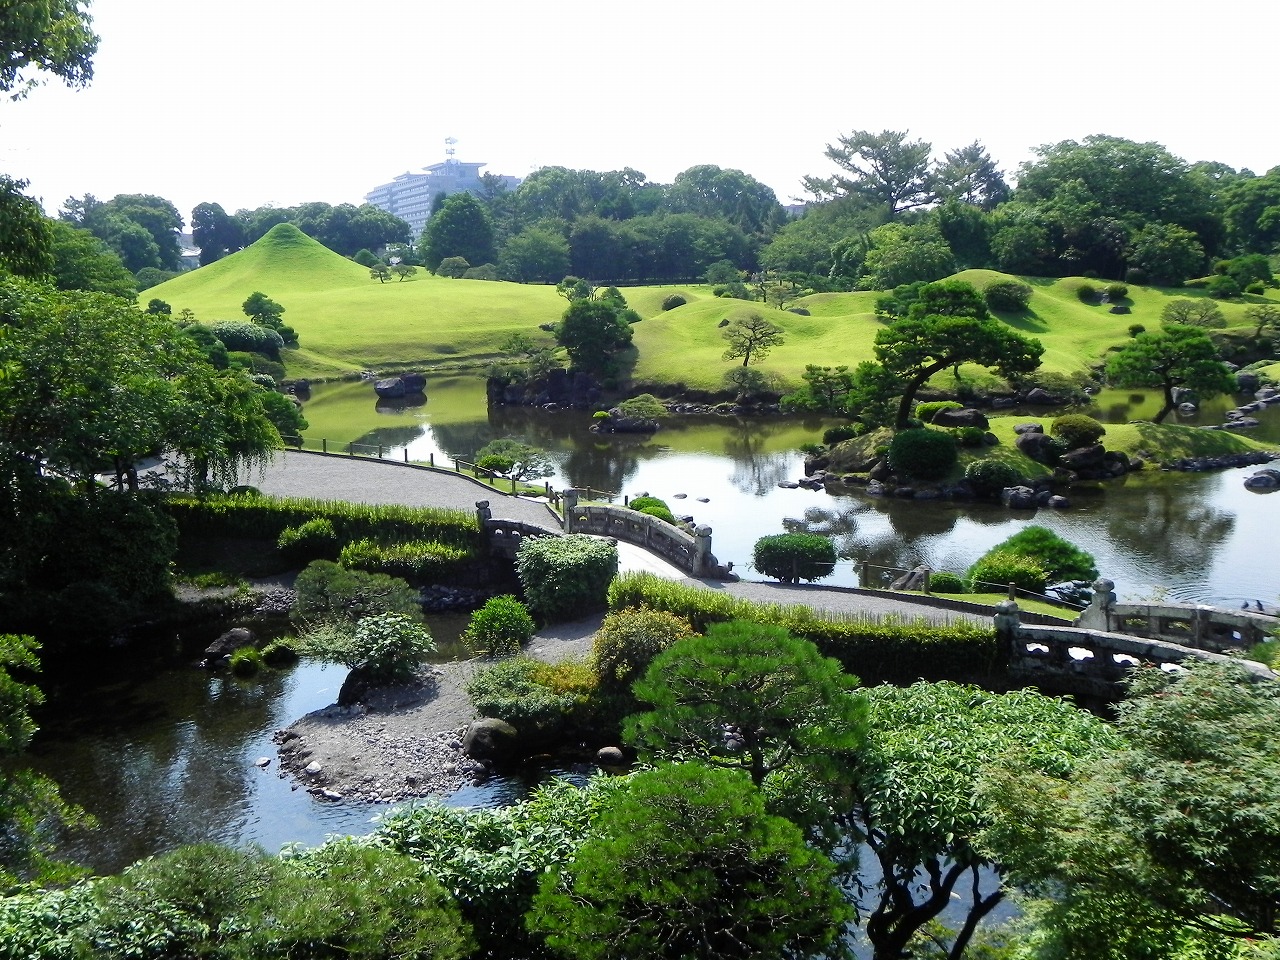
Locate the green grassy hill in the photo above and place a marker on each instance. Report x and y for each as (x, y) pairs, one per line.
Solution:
(348, 322)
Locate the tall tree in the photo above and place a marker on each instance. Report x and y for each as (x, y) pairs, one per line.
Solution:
(215, 232)
(460, 229)
(885, 168)
(946, 326)
(687, 864)
(711, 191)
(971, 176)
(50, 36)
(592, 332)
(25, 238)
(1177, 356)
(751, 337)
(83, 262)
(1175, 828)
(749, 697)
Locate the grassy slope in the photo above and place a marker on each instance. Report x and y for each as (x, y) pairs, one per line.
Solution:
(348, 322)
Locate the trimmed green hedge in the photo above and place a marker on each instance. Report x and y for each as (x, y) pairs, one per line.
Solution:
(888, 650)
(418, 560)
(260, 518)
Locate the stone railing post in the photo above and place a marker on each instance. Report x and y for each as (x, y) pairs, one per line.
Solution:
(1008, 623)
(570, 508)
(1099, 613)
(701, 551)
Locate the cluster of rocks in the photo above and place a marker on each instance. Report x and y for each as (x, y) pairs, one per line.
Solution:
(410, 767)
(274, 603)
(1092, 462)
(1251, 458)
(406, 384)
(438, 598)
(618, 422)
(557, 390)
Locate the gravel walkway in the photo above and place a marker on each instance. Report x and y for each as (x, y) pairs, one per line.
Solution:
(363, 480)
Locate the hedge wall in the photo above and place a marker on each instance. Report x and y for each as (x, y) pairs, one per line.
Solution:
(886, 650)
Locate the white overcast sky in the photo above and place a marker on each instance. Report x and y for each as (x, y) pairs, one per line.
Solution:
(249, 102)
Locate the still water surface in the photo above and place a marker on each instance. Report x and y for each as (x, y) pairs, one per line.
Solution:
(170, 758)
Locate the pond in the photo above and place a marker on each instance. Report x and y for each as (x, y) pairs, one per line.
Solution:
(170, 758)
(1198, 537)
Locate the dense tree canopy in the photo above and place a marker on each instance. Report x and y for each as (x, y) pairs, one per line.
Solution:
(949, 325)
(49, 36)
(142, 228)
(25, 237)
(1177, 356)
(687, 865)
(750, 697)
(592, 332)
(885, 169)
(215, 232)
(82, 261)
(460, 229)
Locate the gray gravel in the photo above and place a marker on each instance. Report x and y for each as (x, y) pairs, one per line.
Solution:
(365, 480)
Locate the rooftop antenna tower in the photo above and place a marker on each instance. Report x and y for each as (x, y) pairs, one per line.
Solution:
(449, 159)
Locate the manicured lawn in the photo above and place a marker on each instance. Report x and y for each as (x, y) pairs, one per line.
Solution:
(348, 322)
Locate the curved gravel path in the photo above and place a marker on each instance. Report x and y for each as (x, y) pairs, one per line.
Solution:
(363, 480)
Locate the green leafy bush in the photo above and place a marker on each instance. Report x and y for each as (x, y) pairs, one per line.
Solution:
(249, 337)
(1257, 288)
(1117, 292)
(643, 407)
(970, 436)
(1007, 295)
(418, 560)
(1222, 288)
(1136, 328)
(514, 691)
(566, 577)
(944, 582)
(922, 454)
(1077, 430)
(653, 507)
(279, 653)
(834, 435)
(629, 639)
(384, 646)
(672, 301)
(886, 650)
(327, 592)
(998, 568)
(790, 557)
(1087, 293)
(925, 411)
(259, 517)
(989, 476)
(245, 661)
(661, 513)
(499, 628)
(1060, 559)
(486, 271)
(313, 540)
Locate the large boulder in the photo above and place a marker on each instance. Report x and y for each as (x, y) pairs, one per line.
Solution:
(229, 643)
(392, 388)
(1264, 480)
(967, 417)
(414, 382)
(1040, 397)
(1084, 458)
(1040, 447)
(488, 738)
(1019, 498)
(1247, 381)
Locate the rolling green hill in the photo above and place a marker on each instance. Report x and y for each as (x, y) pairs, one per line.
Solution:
(348, 322)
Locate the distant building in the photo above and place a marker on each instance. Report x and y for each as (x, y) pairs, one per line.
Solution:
(409, 196)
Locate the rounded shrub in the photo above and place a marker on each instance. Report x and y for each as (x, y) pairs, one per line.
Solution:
(1136, 328)
(327, 592)
(923, 454)
(925, 412)
(970, 436)
(279, 653)
(662, 513)
(245, 661)
(313, 540)
(1077, 430)
(388, 646)
(642, 503)
(944, 582)
(1257, 287)
(566, 577)
(248, 337)
(999, 568)
(629, 639)
(1060, 559)
(848, 431)
(1007, 295)
(790, 557)
(515, 691)
(1087, 293)
(1117, 291)
(672, 301)
(499, 628)
(988, 476)
(1222, 288)
(1136, 275)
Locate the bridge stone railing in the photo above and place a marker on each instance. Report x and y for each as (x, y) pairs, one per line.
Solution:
(690, 552)
(1088, 660)
(503, 537)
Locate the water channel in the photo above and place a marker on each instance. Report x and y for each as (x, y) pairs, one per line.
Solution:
(170, 759)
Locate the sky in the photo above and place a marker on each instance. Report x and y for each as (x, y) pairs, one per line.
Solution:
(254, 102)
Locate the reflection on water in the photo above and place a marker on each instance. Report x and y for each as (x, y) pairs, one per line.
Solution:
(1194, 536)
